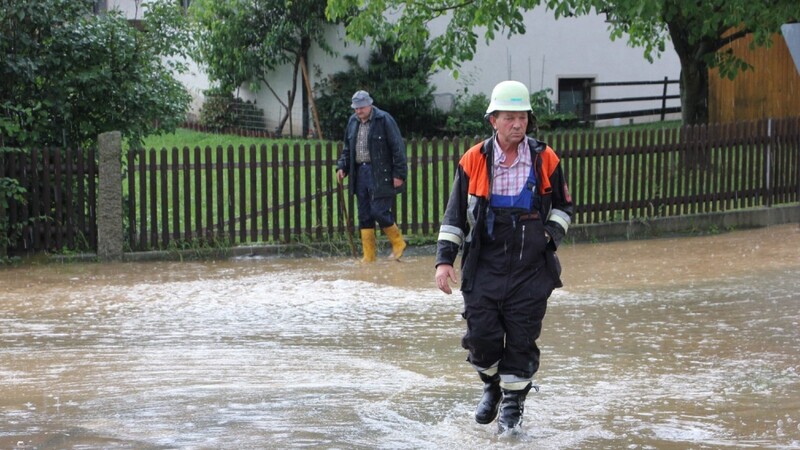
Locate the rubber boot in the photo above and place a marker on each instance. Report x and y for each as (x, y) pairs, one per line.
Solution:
(396, 238)
(511, 408)
(368, 244)
(486, 411)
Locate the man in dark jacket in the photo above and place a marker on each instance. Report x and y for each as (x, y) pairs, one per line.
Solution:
(374, 155)
(508, 210)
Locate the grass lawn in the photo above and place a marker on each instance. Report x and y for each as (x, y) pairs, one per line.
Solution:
(188, 138)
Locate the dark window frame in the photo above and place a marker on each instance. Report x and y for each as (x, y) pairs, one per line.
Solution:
(574, 87)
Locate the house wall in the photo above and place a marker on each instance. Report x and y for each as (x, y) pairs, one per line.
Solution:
(132, 9)
(578, 47)
(770, 90)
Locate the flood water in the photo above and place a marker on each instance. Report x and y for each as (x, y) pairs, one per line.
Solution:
(680, 343)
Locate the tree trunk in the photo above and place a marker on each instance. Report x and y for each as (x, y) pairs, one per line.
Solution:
(290, 99)
(694, 74)
(304, 99)
(694, 93)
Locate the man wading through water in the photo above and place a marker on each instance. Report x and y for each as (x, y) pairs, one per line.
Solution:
(374, 154)
(509, 208)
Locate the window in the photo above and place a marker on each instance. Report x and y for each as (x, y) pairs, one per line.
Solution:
(571, 95)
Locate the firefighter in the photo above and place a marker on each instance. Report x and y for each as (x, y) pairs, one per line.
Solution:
(508, 210)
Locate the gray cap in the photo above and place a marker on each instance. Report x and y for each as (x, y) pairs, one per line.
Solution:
(361, 99)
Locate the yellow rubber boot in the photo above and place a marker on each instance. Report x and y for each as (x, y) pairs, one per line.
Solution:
(368, 244)
(396, 238)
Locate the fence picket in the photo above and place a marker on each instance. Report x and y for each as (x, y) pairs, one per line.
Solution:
(241, 211)
(164, 200)
(208, 232)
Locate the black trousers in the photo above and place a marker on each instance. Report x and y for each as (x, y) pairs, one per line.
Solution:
(505, 309)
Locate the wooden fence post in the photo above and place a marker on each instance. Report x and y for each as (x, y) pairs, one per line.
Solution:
(109, 199)
(587, 105)
(664, 99)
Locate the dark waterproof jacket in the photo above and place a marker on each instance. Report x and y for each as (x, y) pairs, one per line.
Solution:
(387, 152)
(465, 216)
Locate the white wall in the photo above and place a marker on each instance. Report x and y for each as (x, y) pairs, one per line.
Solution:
(196, 81)
(128, 7)
(577, 47)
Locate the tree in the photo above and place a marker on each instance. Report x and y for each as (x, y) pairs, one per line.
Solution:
(402, 89)
(699, 30)
(69, 75)
(245, 41)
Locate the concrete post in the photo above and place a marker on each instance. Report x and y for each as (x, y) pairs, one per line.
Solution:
(109, 198)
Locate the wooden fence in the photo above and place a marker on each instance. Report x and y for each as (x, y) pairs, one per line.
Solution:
(59, 213)
(588, 100)
(282, 193)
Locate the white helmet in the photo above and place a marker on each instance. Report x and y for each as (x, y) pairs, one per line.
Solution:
(509, 96)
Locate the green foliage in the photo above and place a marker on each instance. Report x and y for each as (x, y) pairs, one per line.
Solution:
(221, 110)
(10, 233)
(400, 88)
(547, 115)
(200, 248)
(243, 41)
(333, 103)
(10, 189)
(409, 24)
(217, 112)
(699, 30)
(467, 115)
(183, 137)
(71, 75)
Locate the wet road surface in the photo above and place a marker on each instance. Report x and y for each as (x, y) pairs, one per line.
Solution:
(678, 343)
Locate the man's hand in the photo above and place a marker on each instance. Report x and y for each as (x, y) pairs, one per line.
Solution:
(340, 175)
(444, 274)
(398, 182)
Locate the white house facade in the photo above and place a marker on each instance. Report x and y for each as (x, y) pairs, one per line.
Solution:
(559, 55)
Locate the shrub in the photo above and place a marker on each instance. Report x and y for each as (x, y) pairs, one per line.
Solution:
(216, 112)
(467, 116)
(222, 110)
(547, 115)
(400, 88)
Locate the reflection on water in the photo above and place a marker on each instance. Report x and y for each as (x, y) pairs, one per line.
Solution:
(666, 343)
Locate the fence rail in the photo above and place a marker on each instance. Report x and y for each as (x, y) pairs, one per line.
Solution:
(661, 111)
(285, 193)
